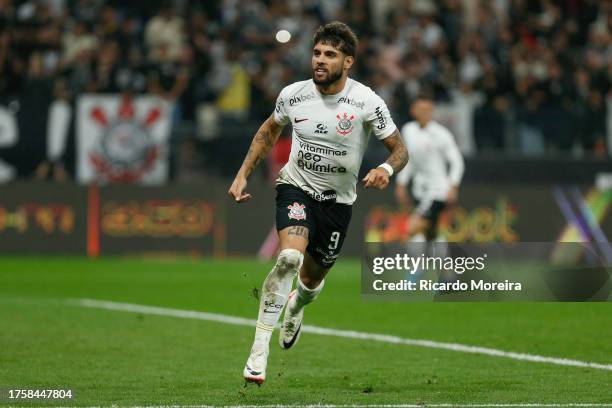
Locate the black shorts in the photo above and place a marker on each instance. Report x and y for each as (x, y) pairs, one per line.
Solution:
(327, 222)
(430, 210)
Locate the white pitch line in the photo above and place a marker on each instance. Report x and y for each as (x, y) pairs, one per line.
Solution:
(526, 405)
(521, 405)
(384, 338)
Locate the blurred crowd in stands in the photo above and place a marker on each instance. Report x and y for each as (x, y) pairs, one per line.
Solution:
(530, 76)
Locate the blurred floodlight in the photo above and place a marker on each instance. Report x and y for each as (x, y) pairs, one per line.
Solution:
(283, 36)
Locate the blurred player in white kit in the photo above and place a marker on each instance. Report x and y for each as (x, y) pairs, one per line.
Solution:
(435, 169)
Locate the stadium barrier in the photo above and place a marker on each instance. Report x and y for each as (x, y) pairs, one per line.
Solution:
(200, 219)
(48, 218)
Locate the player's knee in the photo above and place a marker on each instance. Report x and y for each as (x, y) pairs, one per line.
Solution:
(289, 261)
(418, 225)
(311, 282)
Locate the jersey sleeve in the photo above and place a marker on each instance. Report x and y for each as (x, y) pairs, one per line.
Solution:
(404, 176)
(453, 156)
(379, 118)
(281, 115)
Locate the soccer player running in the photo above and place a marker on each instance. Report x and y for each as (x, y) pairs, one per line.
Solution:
(332, 116)
(436, 169)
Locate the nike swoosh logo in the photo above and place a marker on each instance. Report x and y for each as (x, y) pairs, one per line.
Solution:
(296, 120)
(270, 311)
(289, 344)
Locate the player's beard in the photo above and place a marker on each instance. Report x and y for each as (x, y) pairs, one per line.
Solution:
(331, 78)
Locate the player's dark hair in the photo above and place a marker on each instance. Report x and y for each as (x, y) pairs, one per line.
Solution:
(424, 95)
(339, 36)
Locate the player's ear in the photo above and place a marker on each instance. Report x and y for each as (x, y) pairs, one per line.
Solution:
(348, 62)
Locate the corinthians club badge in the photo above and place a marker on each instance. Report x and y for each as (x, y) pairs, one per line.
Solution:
(126, 150)
(345, 126)
(296, 211)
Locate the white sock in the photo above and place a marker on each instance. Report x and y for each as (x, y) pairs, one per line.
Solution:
(274, 294)
(420, 237)
(304, 295)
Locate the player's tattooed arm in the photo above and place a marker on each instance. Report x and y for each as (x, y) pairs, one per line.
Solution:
(379, 177)
(262, 143)
(399, 155)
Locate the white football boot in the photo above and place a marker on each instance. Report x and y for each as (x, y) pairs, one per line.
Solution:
(255, 368)
(292, 324)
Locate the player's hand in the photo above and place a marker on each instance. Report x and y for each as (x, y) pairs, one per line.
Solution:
(451, 197)
(401, 195)
(377, 178)
(236, 191)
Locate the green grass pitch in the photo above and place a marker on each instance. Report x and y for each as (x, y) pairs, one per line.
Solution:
(126, 359)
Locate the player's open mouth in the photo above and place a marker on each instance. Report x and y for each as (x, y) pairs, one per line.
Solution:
(320, 71)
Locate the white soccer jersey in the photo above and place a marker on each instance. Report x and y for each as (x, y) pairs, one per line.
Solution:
(435, 161)
(330, 135)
